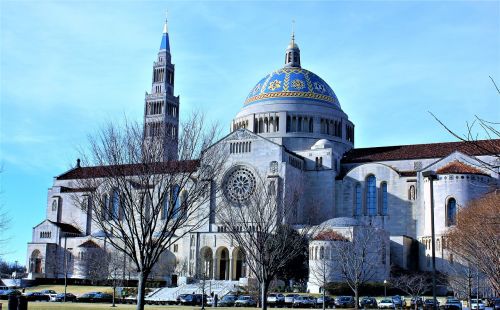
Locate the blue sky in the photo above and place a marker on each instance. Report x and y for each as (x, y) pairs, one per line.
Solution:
(68, 67)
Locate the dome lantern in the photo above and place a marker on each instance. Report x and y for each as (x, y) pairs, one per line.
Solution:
(292, 54)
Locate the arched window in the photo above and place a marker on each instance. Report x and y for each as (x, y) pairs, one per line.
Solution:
(176, 201)
(358, 210)
(451, 212)
(383, 198)
(104, 207)
(164, 207)
(116, 204)
(371, 195)
(184, 202)
(54, 205)
(411, 192)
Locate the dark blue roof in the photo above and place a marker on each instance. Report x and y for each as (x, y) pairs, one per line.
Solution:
(292, 82)
(165, 43)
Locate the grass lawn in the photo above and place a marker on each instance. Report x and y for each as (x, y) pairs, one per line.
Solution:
(75, 289)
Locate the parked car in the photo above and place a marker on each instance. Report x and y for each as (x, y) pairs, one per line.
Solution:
(496, 303)
(227, 301)
(386, 304)
(477, 304)
(289, 299)
(276, 300)
(193, 299)
(368, 302)
(417, 300)
(36, 296)
(245, 301)
(95, 297)
(50, 293)
(304, 302)
(179, 298)
(452, 304)
(429, 304)
(329, 302)
(398, 301)
(344, 302)
(60, 297)
(5, 294)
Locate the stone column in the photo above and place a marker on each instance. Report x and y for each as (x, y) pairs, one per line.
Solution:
(231, 267)
(214, 268)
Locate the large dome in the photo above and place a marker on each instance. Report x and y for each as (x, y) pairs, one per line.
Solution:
(294, 83)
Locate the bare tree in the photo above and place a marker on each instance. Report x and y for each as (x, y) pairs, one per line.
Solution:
(322, 264)
(143, 205)
(258, 223)
(4, 223)
(412, 284)
(358, 258)
(475, 237)
(474, 130)
(460, 278)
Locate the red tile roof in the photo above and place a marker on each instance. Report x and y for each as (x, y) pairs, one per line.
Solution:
(415, 151)
(329, 235)
(457, 167)
(67, 227)
(129, 169)
(89, 244)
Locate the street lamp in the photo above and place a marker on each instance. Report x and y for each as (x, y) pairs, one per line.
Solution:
(385, 288)
(431, 175)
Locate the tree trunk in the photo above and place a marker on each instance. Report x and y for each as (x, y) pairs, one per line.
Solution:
(141, 289)
(356, 297)
(263, 295)
(324, 296)
(114, 294)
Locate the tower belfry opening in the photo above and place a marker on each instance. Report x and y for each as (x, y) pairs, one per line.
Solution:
(161, 111)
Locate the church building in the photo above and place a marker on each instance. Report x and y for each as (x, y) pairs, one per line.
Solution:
(291, 128)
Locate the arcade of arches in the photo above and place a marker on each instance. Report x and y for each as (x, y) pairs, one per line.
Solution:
(36, 262)
(223, 265)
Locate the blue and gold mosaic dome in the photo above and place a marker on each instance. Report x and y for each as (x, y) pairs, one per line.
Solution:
(292, 83)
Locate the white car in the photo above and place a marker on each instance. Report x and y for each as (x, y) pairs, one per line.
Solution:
(474, 304)
(386, 304)
(51, 293)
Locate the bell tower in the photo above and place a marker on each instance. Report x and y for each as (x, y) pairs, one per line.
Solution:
(161, 110)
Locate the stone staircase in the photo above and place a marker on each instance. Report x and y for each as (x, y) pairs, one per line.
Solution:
(168, 295)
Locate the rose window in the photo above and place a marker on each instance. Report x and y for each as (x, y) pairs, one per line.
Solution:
(240, 185)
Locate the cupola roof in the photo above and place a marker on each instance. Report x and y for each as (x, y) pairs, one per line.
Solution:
(292, 83)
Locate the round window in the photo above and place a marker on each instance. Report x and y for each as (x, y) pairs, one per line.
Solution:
(239, 184)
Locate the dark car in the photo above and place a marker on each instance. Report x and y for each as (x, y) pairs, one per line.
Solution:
(192, 299)
(95, 297)
(60, 297)
(495, 303)
(289, 299)
(227, 301)
(179, 298)
(398, 301)
(429, 304)
(5, 294)
(368, 302)
(37, 296)
(417, 300)
(452, 304)
(345, 302)
(329, 302)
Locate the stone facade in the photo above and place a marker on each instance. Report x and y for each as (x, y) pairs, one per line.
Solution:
(291, 130)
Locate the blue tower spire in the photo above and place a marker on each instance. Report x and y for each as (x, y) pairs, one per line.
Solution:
(165, 43)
